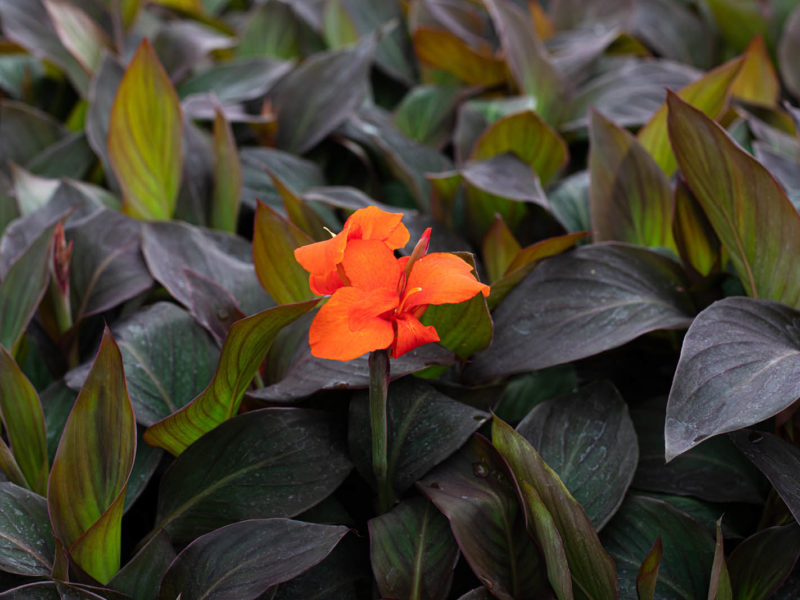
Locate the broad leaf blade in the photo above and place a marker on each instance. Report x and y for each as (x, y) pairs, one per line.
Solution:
(581, 303)
(244, 349)
(86, 491)
(412, 552)
(26, 544)
(23, 420)
(593, 572)
(145, 138)
(589, 440)
(709, 94)
(738, 367)
(743, 202)
(242, 560)
(761, 563)
(267, 463)
(474, 491)
(444, 50)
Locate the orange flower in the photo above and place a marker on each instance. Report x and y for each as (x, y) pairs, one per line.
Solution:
(377, 299)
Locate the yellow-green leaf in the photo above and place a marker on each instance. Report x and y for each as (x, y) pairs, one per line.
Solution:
(499, 249)
(79, 33)
(227, 176)
(444, 50)
(89, 478)
(709, 94)
(757, 81)
(145, 138)
(243, 351)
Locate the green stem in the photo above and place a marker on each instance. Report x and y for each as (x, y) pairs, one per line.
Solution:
(378, 394)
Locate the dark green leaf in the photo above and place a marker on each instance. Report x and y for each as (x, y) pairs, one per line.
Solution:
(737, 367)
(581, 303)
(257, 163)
(789, 53)
(240, 561)
(688, 548)
(141, 576)
(266, 463)
(743, 202)
(523, 392)
(761, 563)
(57, 401)
(589, 440)
(475, 491)
(413, 553)
(425, 427)
(236, 80)
(426, 113)
(26, 538)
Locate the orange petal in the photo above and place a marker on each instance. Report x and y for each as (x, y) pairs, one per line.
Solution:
(410, 334)
(350, 324)
(372, 223)
(321, 257)
(441, 278)
(369, 264)
(325, 284)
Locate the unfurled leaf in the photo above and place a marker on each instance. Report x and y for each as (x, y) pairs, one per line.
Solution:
(738, 367)
(743, 202)
(412, 552)
(274, 462)
(474, 491)
(23, 421)
(274, 242)
(581, 303)
(708, 93)
(244, 349)
(27, 546)
(695, 239)
(777, 459)
(227, 177)
(528, 59)
(318, 95)
(589, 440)
(630, 196)
(89, 477)
(145, 138)
(757, 81)
(688, 547)
(761, 563)
(240, 561)
(23, 287)
(593, 573)
(531, 139)
(444, 50)
(424, 428)
(84, 39)
(647, 577)
(526, 259)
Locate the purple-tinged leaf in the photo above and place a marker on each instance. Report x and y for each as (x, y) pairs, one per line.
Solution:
(757, 81)
(505, 176)
(647, 577)
(777, 459)
(141, 576)
(27, 545)
(23, 287)
(412, 552)
(738, 367)
(318, 95)
(593, 573)
(743, 202)
(240, 561)
(499, 248)
(23, 421)
(79, 33)
(273, 462)
(475, 491)
(227, 176)
(441, 49)
(588, 439)
(789, 53)
(719, 588)
(630, 196)
(102, 92)
(89, 477)
(424, 428)
(582, 303)
(761, 563)
(697, 244)
(236, 81)
(688, 548)
(212, 305)
(243, 351)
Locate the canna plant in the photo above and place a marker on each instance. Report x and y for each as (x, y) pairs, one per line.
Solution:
(204, 393)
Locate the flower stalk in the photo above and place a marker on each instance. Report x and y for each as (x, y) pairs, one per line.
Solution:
(379, 373)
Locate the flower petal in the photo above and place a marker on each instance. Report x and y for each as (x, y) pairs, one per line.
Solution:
(353, 322)
(369, 264)
(410, 334)
(322, 257)
(372, 223)
(441, 278)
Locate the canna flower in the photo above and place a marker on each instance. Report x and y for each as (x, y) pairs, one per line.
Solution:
(376, 298)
